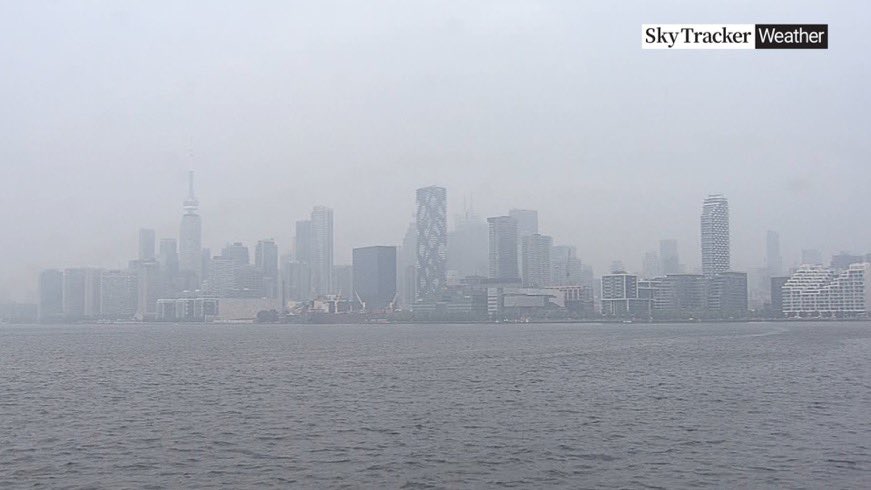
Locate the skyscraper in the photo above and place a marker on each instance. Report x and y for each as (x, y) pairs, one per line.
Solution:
(81, 293)
(407, 263)
(773, 262)
(322, 250)
(668, 257)
(146, 244)
(527, 221)
(237, 252)
(468, 246)
(303, 242)
(432, 240)
(51, 295)
(650, 265)
(566, 267)
(503, 248)
(527, 224)
(74, 294)
(536, 260)
(118, 294)
(222, 276)
(266, 262)
(190, 261)
(343, 281)
(168, 256)
(148, 289)
(374, 276)
(300, 275)
(266, 257)
(715, 235)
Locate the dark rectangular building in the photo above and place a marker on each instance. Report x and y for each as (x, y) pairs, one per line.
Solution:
(374, 277)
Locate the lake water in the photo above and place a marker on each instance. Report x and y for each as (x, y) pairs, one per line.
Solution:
(435, 406)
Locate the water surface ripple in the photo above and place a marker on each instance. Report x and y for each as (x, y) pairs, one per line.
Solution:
(436, 406)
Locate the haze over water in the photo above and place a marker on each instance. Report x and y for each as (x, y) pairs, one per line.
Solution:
(431, 406)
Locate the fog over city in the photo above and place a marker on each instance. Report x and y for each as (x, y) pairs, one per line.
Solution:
(550, 106)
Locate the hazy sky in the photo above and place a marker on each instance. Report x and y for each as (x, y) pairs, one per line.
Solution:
(553, 106)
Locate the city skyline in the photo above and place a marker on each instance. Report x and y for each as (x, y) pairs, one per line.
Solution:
(506, 106)
(305, 249)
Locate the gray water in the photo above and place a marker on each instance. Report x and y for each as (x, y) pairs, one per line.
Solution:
(433, 406)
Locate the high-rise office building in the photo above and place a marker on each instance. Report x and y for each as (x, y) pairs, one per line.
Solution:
(777, 295)
(301, 269)
(266, 261)
(668, 257)
(297, 280)
(222, 276)
(503, 249)
(51, 296)
(148, 289)
(374, 276)
(682, 296)
(237, 252)
(168, 255)
(773, 260)
(81, 293)
(536, 260)
(617, 266)
(407, 264)
(146, 244)
(248, 282)
(650, 265)
(343, 281)
(266, 257)
(844, 260)
(190, 246)
(566, 267)
(303, 241)
(74, 294)
(715, 235)
(206, 260)
(322, 250)
(527, 224)
(727, 295)
(432, 241)
(169, 272)
(527, 221)
(118, 294)
(468, 246)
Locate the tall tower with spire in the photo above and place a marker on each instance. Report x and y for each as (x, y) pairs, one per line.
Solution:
(190, 242)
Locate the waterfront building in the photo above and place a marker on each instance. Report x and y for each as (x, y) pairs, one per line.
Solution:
(536, 260)
(668, 256)
(51, 295)
(190, 247)
(467, 251)
(727, 295)
(817, 292)
(715, 235)
(432, 236)
(503, 249)
(620, 296)
(118, 294)
(322, 251)
(773, 260)
(374, 277)
(146, 244)
(266, 262)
